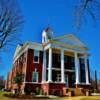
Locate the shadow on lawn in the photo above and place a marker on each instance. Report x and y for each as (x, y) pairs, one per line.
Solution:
(25, 96)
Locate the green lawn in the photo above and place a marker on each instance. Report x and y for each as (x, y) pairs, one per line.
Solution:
(81, 98)
(2, 97)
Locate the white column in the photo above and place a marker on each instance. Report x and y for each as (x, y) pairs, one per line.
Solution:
(50, 66)
(62, 67)
(44, 67)
(86, 70)
(77, 68)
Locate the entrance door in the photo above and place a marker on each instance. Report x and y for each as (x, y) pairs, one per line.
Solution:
(66, 79)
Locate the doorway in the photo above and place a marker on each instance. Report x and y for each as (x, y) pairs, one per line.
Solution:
(67, 81)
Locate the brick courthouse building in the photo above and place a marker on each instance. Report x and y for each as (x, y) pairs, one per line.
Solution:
(53, 65)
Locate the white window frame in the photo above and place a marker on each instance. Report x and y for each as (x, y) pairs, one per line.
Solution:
(35, 54)
(33, 76)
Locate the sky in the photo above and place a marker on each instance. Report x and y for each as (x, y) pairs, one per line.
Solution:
(58, 14)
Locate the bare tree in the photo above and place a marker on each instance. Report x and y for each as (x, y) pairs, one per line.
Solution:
(84, 8)
(2, 82)
(10, 23)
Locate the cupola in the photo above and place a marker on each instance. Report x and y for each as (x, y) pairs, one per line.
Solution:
(47, 35)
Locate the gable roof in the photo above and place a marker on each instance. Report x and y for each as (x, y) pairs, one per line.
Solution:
(22, 48)
(71, 40)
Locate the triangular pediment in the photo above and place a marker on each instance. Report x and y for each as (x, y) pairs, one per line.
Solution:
(71, 40)
(17, 50)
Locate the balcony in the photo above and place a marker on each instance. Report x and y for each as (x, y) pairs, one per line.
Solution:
(66, 70)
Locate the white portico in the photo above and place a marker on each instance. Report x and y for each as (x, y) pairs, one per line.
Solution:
(63, 44)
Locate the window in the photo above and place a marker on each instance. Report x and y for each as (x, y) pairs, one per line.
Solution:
(72, 59)
(36, 56)
(83, 77)
(82, 61)
(73, 80)
(35, 77)
(82, 66)
(65, 59)
(67, 80)
(59, 59)
(58, 77)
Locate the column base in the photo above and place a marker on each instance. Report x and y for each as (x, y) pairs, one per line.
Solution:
(49, 81)
(88, 83)
(43, 81)
(63, 82)
(77, 83)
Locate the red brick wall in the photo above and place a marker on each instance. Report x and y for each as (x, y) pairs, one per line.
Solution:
(18, 66)
(25, 65)
(8, 81)
(31, 66)
(53, 88)
(81, 89)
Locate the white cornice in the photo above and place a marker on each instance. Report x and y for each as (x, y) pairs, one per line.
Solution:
(70, 38)
(66, 48)
(77, 46)
(69, 46)
(25, 47)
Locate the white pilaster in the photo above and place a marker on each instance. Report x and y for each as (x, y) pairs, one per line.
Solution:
(86, 70)
(62, 67)
(77, 68)
(50, 66)
(44, 67)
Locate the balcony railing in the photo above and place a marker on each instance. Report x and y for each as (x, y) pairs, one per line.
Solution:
(66, 70)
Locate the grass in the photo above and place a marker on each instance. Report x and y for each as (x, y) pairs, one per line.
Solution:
(2, 97)
(80, 98)
(91, 98)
